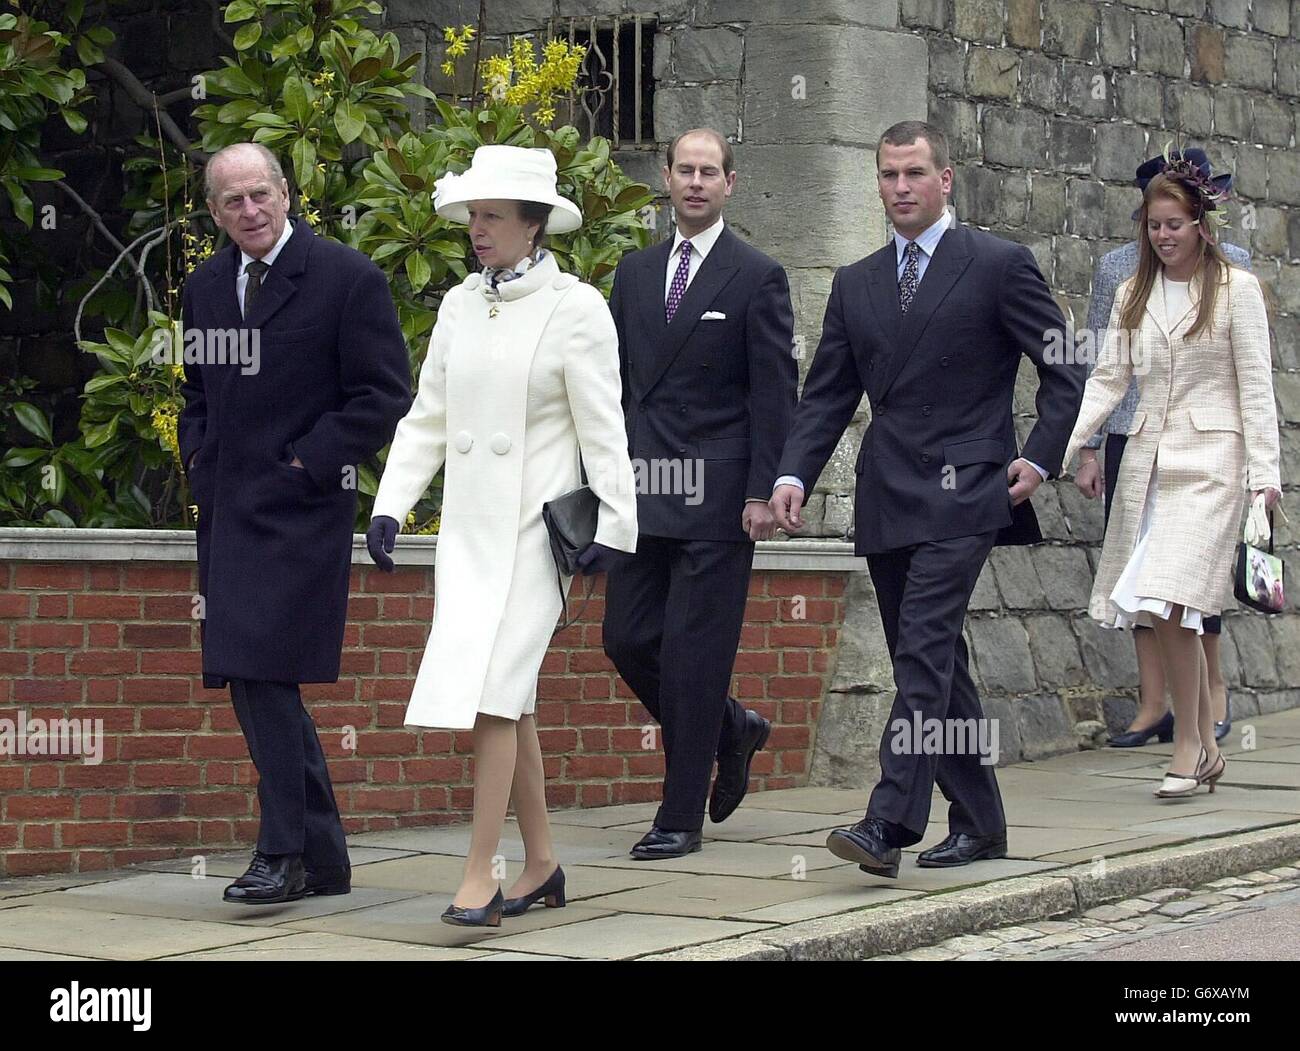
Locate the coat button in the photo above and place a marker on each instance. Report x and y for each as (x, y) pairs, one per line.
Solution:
(880, 408)
(925, 410)
(500, 443)
(925, 457)
(944, 361)
(463, 441)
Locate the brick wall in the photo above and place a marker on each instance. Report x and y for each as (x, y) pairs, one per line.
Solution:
(115, 641)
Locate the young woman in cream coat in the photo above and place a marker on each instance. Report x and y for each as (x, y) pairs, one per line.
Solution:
(522, 373)
(1204, 434)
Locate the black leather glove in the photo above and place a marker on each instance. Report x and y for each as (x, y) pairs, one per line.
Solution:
(380, 538)
(600, 559)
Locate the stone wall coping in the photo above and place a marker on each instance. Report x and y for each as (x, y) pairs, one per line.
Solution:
(26, 544)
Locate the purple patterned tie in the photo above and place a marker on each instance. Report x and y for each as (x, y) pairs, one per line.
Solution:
(678, 288)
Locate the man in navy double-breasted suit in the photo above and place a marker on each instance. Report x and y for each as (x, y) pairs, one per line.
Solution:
(295, 372)
(932, 328)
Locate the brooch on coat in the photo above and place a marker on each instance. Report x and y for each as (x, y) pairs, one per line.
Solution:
(494, 310)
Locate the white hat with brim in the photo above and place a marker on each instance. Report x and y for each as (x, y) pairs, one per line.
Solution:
(510, 173)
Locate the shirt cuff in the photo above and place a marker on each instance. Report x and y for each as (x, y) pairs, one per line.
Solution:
(1036, 468)
(788, 479)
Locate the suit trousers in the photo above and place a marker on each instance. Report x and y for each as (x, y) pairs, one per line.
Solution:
(673, 615)
(299, 813)
(1115, 444)
(923, 591)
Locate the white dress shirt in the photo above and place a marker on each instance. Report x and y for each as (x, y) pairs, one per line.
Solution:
(928, 240)
(701, 244)
(241, 282)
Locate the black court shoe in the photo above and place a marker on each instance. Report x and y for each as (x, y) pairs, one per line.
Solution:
(1163, 731)
(552, 891)
(488, 916)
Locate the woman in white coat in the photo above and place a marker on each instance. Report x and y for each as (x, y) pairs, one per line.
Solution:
(1204, 434)
(521, 377)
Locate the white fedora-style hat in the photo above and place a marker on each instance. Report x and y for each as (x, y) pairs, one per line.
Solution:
(510, 173)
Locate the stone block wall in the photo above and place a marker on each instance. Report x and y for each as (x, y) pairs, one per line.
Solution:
(1049, 106)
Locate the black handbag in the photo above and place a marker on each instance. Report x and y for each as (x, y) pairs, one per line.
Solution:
(1259, 578)
(570, 522)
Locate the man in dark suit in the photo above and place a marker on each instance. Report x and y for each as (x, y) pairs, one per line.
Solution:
(931, 328)
(271, 441)
(706, 341)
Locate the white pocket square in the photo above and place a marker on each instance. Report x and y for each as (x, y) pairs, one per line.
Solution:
(713, 315)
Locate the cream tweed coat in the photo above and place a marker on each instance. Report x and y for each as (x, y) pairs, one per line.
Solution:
(1207, 420)
(506, 400)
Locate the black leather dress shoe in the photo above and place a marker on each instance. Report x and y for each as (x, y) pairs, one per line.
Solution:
(270, 880)
(327, 880)
(961, 849)
(552, 892)
(732, 781)
(869, 844)
(488, 916)
(661, 843)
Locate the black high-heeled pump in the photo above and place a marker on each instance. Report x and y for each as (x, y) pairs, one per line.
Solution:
(488, 916)
(1163, 731)
(552, 891)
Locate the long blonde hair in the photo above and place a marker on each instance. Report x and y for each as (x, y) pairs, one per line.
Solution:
(1211, 267)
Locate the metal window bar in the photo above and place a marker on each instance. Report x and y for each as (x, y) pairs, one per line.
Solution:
(599, 88)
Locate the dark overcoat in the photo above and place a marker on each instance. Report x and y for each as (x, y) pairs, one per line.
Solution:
(328, 383)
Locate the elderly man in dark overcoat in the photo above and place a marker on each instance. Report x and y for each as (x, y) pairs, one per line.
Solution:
(295, 372)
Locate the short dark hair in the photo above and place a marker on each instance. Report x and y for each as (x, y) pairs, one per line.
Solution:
(728, 155)
(906, 132)
(536, 212)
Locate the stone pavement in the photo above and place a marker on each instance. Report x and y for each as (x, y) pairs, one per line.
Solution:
(1085, 831)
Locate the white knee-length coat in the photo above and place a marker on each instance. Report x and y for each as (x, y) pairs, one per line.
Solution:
(1207, 422)
(506, 399)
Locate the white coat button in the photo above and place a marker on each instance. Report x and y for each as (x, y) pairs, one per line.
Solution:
(463, 441)
(500, 443)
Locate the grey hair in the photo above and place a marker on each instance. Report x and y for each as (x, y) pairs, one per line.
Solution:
(269, 158)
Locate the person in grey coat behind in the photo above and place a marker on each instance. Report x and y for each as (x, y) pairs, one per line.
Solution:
(1153, 718)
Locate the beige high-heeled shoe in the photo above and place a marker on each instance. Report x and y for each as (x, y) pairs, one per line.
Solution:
(1175, 785)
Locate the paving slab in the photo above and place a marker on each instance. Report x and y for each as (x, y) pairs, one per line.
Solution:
(415, 920)
(723, 858)
(716, 897)
(116, 936)
(573, 843)
(912, 877)
(811, 800)
(181, 897)
(608, 816)
(1213, 823)
(625, 936)
(428, 873)
(749, 825)
(322, 946)
(234, 863)
(830, 900)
